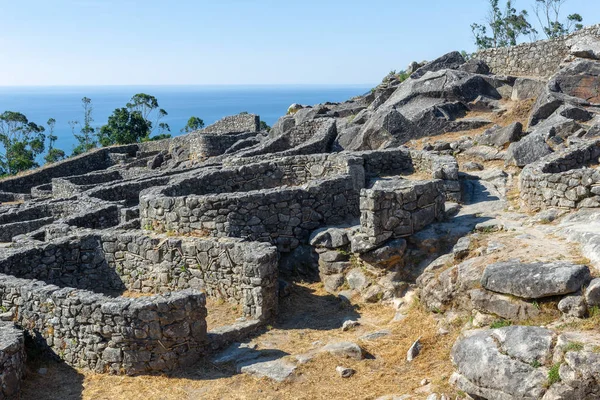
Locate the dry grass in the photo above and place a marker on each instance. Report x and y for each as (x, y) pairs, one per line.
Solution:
(309, 315)
(221, 313)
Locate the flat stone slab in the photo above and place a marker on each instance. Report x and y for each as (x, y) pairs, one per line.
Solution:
(344, 349)
(277, 370)
(535, 280)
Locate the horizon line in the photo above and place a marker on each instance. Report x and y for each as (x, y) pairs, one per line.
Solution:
(188, 85)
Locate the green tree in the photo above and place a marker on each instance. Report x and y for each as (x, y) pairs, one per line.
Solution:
(22, 141)
(505, 25)
(85, 138)
(124, 127)
(53, 154)
(548, 14)
(193, 124)
(147, 106)
(264, 126)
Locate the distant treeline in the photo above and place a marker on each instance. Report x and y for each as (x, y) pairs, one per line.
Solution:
(139, 121)
(504, 25)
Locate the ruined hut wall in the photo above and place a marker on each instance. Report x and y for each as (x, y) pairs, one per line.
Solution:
(235, 124)
(562, 179)
(12, 360)
(88, 162)
(116, 335)
(400, 208)
(283, 216)
(241, 273)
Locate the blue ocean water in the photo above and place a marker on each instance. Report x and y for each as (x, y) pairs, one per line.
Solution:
(210, 103)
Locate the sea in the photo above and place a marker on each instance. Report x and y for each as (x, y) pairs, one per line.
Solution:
(210, 103)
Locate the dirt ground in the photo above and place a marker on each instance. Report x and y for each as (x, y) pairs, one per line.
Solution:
(309, 318)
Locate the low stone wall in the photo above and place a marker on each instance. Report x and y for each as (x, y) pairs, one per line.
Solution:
(10, 230)
(403, 161)
(241, 273)
(111, 262)
(76, 262)
(41, 191)
(241, 177)
(200, 146)
(538, 59)
(73, 185)
(563, 179)
(127, 192)
(235, 124)
(282, 216)
(25, 219)
(398, 208)
(104, 334)
(12, 360)
(92, 161)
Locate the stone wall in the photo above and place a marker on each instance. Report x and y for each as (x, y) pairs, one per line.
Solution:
(92, 161)
(199, 146)
(282, 216)
(69, 186)
(76, 262)
(241, 273)
(402, 161)
(104, 334)
(239, 176)
(538, 59)
(395, 208)
(235, 124)
(12, 360)
(563, 179)
(111, 262)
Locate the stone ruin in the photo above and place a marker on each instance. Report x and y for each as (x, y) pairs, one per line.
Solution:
(107, 259)
(182, 220)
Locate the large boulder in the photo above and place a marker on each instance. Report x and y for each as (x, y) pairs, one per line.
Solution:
(502, 305)
(449, 85)
(500, 136)
(585, 47)
(579, 79)
(451, 60)
(527, 88)
(503, 364)
(437, 116)
(475, 66)
(386, 128)
(529, 149)
(535, 280)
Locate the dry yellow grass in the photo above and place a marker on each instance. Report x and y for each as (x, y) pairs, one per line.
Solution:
(309, 315)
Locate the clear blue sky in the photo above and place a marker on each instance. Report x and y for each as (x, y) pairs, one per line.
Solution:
(133, 42)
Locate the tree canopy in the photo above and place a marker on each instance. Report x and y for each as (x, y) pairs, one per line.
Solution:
(22, 141)
(505, 25)
(124, 127)
(193, 124)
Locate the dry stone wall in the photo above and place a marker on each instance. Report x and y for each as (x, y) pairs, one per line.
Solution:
(538, 59)
(403, 161)
(12, 360)
(238, 272)
(565, 179)
(235, 124)
(283, 216)
(104, 334)
(89, 162)
(200, 146)
(397, 208)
